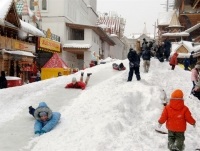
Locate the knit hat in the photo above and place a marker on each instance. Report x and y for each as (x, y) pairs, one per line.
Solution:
(42, 114)
(74, 79)
(197, 66)
(177, 94)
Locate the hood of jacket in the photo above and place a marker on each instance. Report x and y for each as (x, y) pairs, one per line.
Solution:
(176, 103)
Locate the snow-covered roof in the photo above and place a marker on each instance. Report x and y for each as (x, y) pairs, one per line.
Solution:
(188, 45)
(113, 35)
(31, 29)
(175, 21)
(189, 30)
(4, 7)
(181, 34)
(165, 18)
(111, 22)
(103, 26)
(76, 45)
(22, 53)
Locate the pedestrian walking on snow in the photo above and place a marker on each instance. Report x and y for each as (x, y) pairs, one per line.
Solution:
(134, 64)
(146, 56)
(173, 60)
(176, 115)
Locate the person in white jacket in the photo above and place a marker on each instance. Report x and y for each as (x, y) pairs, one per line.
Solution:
(163, 97)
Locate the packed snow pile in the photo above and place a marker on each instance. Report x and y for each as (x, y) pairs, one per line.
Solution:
(111, 114)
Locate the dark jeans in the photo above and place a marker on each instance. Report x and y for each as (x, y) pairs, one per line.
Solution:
(137, 73)
(176, 140)
(173, 67)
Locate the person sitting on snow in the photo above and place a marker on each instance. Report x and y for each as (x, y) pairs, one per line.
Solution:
(79, 84)
(118, 67)
(176, 115)
(46, 120)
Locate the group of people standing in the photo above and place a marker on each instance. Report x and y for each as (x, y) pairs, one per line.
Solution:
(175, 113)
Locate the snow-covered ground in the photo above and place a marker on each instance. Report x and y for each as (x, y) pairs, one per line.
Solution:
(109, 115)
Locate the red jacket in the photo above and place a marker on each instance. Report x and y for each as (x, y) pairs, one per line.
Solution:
(176, 114)
(173, 60)
(77, 85)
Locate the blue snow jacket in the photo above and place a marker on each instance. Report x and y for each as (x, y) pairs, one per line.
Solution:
(53, 118)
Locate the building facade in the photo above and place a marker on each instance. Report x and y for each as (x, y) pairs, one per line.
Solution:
(78, 12)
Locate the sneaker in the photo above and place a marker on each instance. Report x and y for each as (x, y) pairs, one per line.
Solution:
(89, 74)
(82, 73)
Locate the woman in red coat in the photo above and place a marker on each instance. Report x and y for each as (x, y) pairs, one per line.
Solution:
(173, 61)
(79, 84)
(176, 114)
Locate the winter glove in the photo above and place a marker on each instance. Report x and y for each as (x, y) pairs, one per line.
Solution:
(42, 132)
(37, 132)
(159, 125)
(164, 104)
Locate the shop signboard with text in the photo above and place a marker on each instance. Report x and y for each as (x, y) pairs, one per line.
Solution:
(46, 44)
(18, 45)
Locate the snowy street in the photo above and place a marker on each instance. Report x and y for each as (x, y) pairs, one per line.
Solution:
(109, 115)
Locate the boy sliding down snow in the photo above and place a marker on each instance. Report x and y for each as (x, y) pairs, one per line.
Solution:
(46, 120)
(176, 114)
(79, 84)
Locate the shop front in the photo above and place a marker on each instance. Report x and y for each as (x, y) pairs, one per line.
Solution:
(45, 49)
(16, 58)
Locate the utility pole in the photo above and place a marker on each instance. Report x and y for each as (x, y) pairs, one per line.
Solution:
(168, 5)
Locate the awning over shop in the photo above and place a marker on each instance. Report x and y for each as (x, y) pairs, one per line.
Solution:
(76, 45)
(22, 53)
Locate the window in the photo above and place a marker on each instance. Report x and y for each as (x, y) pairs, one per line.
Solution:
(44, 4)
(76, 34)
(32, 4)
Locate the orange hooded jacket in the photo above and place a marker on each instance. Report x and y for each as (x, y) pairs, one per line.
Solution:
(173, 60)
(176, 114)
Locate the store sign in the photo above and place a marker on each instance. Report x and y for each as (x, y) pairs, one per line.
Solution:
(50, 45)
(18, 45)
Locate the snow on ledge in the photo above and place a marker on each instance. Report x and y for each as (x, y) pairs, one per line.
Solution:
(12, 78)
(76, 45)
(22, 53)
(31, 29)
(176, 34)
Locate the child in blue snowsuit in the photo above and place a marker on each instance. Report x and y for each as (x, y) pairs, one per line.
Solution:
(46, 120)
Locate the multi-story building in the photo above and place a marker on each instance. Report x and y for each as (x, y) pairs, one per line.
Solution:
(114, 26)
(75, 22)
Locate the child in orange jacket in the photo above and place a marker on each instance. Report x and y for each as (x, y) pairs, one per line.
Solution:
(173, 61)
(176, 114)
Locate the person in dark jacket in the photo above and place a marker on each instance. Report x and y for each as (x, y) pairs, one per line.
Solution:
(167, 49)
(186, 63)
(159, 52)
(193, 60)
(134, 64)
(146, 56)
(3, 80)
